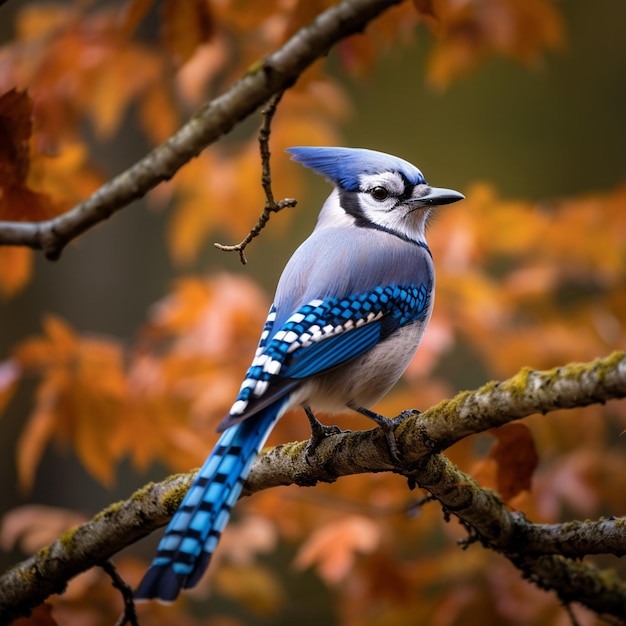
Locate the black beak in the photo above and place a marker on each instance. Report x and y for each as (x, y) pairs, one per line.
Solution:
(436, 196)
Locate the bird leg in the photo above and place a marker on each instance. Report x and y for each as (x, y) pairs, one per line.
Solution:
(319, 432)
(388, 426)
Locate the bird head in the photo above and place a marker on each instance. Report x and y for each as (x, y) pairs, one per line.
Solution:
(375, 189)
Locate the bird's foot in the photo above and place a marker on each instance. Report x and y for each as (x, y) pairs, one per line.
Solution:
(388, 425)
(319, 432)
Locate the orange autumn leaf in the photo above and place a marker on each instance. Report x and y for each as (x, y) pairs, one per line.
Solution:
(15, 269)
(78, 401)
(332, 549)
(506, 280)
(85, 66)
(186, 25)
(516, 458)
(194, 351)
(245, 539)
(469, 31)
(210, 316)
(157, 114)
(359, 54)
(67, 176)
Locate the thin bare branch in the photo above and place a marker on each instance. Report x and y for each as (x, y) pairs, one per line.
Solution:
(129, 616)
(271, 206)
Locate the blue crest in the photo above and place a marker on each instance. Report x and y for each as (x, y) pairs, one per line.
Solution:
(344, 166)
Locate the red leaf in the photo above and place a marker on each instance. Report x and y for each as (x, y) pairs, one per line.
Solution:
(17, 201)
(516, 456)
(15, 128)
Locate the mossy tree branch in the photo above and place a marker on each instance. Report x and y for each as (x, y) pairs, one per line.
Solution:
(540, 551)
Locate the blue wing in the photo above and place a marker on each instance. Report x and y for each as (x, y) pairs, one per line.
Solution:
(321, 335)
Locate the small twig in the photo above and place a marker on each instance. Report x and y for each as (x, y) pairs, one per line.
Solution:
(268, 113)
(129, 616)
(271, 206)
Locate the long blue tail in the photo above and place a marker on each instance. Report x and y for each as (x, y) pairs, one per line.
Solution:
(192, 535)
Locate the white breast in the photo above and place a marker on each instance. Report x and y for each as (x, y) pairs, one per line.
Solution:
(366, 379)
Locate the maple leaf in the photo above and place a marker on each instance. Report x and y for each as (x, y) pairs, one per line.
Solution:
(469, 31)
(79, 399)
(85, 65)
(516, 458)
(194, 351)
(333, 548)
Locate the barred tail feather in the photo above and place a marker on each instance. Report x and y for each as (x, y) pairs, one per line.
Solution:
(192, 535)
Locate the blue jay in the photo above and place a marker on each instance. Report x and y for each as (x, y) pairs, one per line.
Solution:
(350, 310)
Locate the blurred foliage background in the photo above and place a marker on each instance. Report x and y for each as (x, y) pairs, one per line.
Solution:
(530, 268)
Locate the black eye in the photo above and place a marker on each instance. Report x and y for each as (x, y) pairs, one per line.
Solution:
(379, 193)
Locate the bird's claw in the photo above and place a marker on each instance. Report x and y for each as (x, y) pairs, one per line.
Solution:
(319, 432)
(388, 425)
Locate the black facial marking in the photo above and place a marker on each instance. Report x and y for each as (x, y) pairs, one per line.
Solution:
(349, 202)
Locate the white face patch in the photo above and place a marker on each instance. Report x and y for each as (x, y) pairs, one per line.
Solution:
(390, 212)
(391, 181)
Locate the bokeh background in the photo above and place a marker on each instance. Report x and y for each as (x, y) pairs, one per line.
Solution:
(537, 132)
